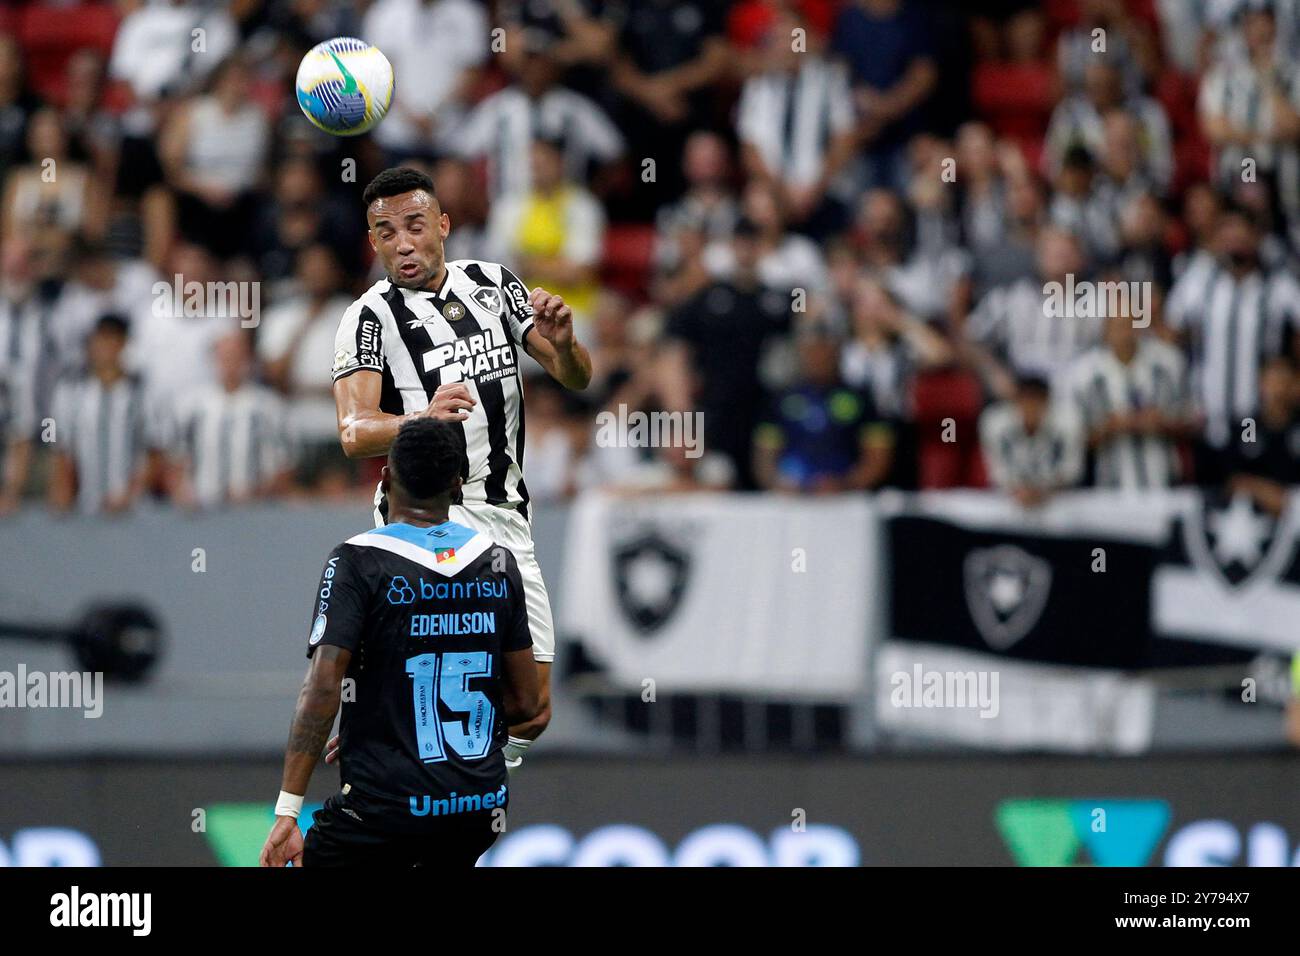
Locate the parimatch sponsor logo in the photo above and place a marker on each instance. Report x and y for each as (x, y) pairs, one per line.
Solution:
(476, 357)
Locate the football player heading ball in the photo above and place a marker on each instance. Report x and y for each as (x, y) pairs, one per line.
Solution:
(440, 339)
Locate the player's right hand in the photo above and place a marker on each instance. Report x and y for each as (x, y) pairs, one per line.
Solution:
(283, 845)
(452, 402)
(332, 750)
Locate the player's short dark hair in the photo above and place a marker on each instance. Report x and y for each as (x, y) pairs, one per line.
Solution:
(427, 457)
(394, 182)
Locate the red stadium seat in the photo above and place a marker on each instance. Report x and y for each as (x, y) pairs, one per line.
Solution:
(938, 395)
(627, 258)
(1016, 99)
(50, 37)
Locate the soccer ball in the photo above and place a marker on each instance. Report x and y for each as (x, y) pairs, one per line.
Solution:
(345, 86)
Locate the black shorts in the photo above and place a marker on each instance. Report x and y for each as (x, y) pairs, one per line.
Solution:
(336, 838)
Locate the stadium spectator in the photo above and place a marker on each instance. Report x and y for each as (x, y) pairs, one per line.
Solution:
(54, 190)
(465, 204)
(714, 342)
(887, 348)
(1202, 207)
(535, 106)
(1012, 333)
(214, 150)
(669, 56)
(154, 59)
(20, 347)
(578, 34)
(1121, 40)
(229, 442)
(92, 130)
(1132, 397)
(796, 126)
(787, 260)
(1032, 446)
(924, 281)
(1250, 111)
(887, 45)
(1078, 206)
(708, 207)
(429, 102)
(981, 203)
(295, 340)
(16, 103)
(551, 231)
(1231, 312)
(100, 435)
(821, 436)
(174, 331)
(1015, 257)
(555, 441)
(46, 332)
(1083, 120)
(1263, 460)
(298, 213)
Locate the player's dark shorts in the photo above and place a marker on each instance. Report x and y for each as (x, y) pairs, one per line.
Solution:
(338, 839)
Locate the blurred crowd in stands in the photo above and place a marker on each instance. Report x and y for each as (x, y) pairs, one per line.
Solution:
(832, 227)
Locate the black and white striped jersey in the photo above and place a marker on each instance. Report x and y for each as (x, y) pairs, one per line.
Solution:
(469, 330)
(234, 442)
(1239, 91)
(1100, 385)
(1013, 321)
(1050, 457)
(1232, 324)
(102, 429)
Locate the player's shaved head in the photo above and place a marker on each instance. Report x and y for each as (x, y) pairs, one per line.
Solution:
(425, 464)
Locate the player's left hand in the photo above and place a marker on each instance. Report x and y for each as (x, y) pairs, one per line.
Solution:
(553, 319)
(283, 845)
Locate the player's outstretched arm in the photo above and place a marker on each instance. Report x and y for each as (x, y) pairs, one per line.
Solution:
(318, 705)
(552, 343)
(366, 432)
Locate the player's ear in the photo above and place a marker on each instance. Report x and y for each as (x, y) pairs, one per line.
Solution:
(444, 225)
(455, 487)
(383, 479)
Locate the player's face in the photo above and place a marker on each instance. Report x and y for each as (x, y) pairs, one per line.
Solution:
(407, 232)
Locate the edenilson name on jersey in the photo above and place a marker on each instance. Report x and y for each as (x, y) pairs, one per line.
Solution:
(470, 622)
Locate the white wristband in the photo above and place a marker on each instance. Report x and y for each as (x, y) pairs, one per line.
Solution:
(288, 805)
